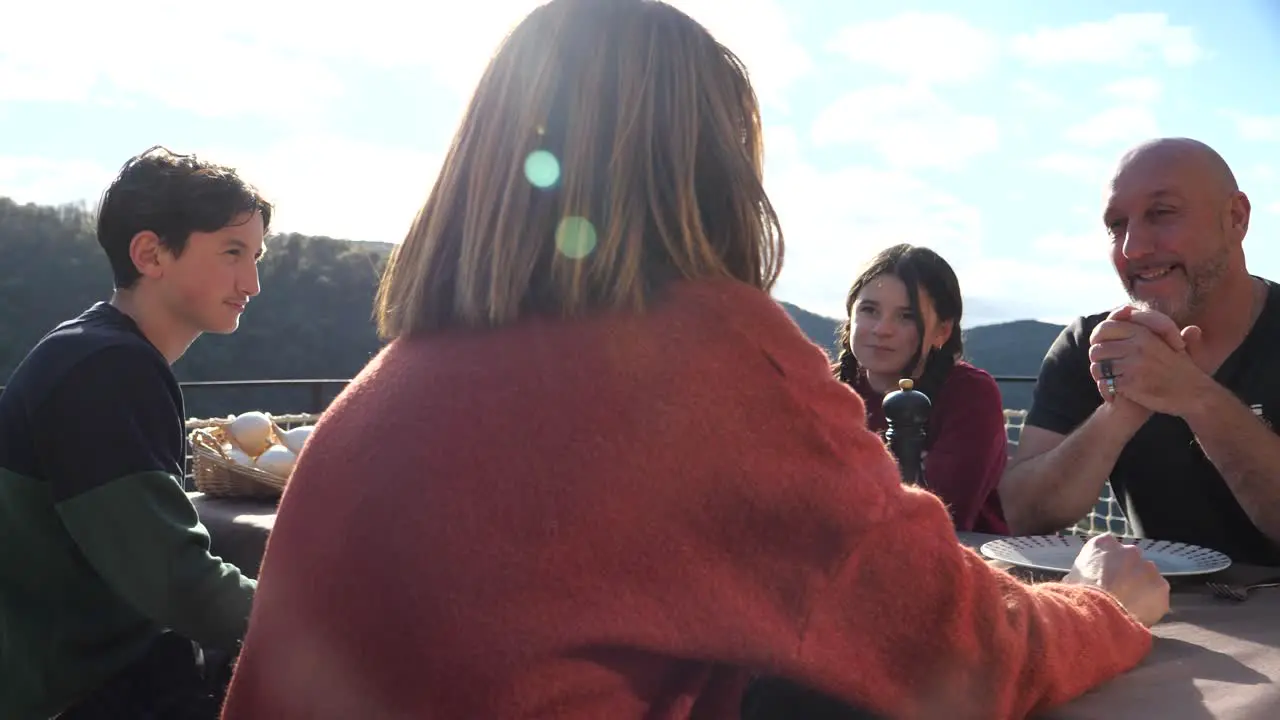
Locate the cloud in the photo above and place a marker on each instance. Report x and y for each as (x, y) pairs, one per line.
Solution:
(389, 33)
(1061, 275)
(48, 181)
(1082, 247)
(1258, 128)
(265, 58)
(1137, 90)
(760, 33)
(1037, 95)
(393, 34)
(834, 220)
(1049, 288)
(205, 67)
(1078, 166)
(1126, 40)
(320, 184)
(925, 47)
(248, 57)
(1120, 125)
(908, 125)
(1260, 180)
(329, 185)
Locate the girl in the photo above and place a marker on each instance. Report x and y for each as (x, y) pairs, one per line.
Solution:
(903, 321)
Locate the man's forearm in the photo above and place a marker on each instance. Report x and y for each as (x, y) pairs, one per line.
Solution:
(1053, 490)
(1244, 450)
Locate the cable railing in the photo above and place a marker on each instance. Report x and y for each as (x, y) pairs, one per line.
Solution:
(1105, 516)
(316, 387)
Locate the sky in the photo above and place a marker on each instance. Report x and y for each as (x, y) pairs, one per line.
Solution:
(984, 130)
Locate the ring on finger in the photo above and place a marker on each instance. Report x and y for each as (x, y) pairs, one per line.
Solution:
(1107, 370)
(1111, 386)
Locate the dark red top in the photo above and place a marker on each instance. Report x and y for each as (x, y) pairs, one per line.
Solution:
(966, 447)
(624, 517)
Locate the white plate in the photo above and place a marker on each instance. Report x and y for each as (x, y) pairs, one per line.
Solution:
(1057, 554)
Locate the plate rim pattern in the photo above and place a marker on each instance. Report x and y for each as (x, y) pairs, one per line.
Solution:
(1206, 560)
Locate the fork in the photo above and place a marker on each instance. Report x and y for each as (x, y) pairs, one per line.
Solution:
(1239, 593)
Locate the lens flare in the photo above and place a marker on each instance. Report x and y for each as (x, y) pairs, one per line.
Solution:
(575, 237)
(542, 169)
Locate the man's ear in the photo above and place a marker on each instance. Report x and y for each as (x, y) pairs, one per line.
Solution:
(147, 253)
(1238, 214)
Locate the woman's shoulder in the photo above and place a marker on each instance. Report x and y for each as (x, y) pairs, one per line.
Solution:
(967, 374)
(970, 384)
(736, 314)
(691, 328)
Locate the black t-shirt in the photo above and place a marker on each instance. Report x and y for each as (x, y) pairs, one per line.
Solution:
(1167, 486)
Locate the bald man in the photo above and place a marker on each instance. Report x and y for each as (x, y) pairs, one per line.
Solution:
(1173, 396)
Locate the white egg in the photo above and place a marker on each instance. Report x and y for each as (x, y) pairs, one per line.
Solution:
(295, 438)
(277, 460)
(251, 431)
(240, 457)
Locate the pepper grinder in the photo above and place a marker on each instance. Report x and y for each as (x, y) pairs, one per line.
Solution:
(906, 411)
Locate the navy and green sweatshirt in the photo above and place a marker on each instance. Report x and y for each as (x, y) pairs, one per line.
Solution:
(100, 549)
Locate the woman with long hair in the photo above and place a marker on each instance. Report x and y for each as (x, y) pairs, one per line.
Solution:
(598, 472)
(902, 320)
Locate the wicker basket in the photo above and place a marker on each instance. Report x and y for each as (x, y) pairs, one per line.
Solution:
(216, 474)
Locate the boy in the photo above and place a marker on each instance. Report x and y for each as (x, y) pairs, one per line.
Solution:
(108, 591)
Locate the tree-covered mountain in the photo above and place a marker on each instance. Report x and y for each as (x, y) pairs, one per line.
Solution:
(1012, 349)
(313, 318)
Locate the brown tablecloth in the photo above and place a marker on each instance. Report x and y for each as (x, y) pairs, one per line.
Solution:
(238, 528)
(1212, 659)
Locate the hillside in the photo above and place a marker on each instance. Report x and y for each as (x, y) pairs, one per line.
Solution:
(1012, 349)
(312, 319)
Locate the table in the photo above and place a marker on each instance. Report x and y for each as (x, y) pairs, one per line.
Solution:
(237, 527)
(1212, 659)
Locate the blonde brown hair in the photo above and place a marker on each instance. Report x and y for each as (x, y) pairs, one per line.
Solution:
(610, 146)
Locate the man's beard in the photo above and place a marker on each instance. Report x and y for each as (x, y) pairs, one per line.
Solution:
(1201, 281)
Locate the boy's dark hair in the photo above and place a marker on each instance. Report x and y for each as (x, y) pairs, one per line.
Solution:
(173, 196)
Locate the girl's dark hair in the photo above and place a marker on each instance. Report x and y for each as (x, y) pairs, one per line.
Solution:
(916, 267)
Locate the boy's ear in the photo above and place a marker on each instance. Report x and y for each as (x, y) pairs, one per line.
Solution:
(147, 253)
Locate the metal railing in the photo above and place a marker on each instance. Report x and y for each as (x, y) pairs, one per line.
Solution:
(1106, 515)
(316, 386)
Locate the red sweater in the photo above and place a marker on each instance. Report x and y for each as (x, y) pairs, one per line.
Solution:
(966, 447)
(622, 517)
